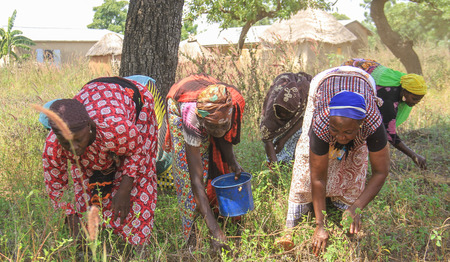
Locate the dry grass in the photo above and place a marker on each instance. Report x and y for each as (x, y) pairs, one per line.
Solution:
(408, 221)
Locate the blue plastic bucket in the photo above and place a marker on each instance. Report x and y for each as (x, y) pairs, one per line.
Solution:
(234, 196)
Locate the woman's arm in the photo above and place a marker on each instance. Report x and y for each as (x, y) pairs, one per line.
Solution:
(389, 114)
(380, 168)
(419, 160)
(270, 151)
(195, 166)
(226, 148)
(318, 165)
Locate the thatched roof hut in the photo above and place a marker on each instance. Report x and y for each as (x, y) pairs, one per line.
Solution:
(191, 49)
(106, 53)
(309, 25)
(313, 35)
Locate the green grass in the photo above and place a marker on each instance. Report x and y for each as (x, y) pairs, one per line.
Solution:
(407, 221)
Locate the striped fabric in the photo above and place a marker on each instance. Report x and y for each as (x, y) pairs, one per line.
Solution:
(335, 82)
(164, 160)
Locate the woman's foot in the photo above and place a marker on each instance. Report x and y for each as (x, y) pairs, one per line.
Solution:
(285, 242)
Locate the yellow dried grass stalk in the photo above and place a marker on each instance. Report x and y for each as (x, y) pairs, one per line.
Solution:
(67, 134)
(93, 222)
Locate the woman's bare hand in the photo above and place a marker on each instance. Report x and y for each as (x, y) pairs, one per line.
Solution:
(319, 240)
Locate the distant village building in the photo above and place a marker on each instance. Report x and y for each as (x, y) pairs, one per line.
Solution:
(190, 49)
(61, 45)
(361, 32)
(313, 35)
(106, 54)
(225, 39)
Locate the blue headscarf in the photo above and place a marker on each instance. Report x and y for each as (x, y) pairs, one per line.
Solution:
(348, 104)
(43, 118)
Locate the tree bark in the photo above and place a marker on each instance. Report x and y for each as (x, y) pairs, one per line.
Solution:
(401, 48)
(152, 37)
(243, 35)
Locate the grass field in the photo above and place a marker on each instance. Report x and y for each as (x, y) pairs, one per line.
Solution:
(408, 221)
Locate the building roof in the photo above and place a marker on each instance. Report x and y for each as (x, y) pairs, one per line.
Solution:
(309, 24)
(110, 44)
(350, 22)
(191, 49)
(215, 36)
(47, 34)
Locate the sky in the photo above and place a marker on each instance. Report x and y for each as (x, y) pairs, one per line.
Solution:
(79, 13)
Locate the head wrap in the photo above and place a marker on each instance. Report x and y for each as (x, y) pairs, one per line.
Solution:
(414, 84)
(290, 92)
(43, 118)
(72, 112)
(329, 83)
(348, 104)
(214, 104)
(385, 76)
(403, 112)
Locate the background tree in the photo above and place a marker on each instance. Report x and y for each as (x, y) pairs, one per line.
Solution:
(420, 20)
(110, 15)
(401, 47)
(11, 39)
(229, 12)
(340, 16)
(188, 28)
(152, 37)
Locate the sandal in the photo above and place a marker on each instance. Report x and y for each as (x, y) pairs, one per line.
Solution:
(285, 242)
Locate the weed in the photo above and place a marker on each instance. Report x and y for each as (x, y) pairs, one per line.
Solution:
(407, 221)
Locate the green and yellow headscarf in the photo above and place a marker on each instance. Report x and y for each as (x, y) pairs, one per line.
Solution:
(413, 83)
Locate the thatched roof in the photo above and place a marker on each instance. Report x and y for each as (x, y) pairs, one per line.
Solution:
(309, 24)
(190, 48)
(109, 44)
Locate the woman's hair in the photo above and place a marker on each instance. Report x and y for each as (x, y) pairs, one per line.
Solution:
(72, 112)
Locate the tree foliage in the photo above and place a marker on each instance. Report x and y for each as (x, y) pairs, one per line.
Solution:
(11, 39)
(188, 28)
(247, 13)
(420, 20)
(340, 16)
(416, 20)
(402, 48)
(111, 15)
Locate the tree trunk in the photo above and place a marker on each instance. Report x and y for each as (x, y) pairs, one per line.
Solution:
(243, 34)
(152, 37)
(401, 48)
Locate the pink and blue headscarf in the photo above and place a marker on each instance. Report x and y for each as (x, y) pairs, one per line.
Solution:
(348, 104)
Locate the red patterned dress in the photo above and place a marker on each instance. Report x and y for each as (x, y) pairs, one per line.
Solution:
(121, 141)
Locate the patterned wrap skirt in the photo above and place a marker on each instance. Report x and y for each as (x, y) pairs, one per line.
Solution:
(180, 170)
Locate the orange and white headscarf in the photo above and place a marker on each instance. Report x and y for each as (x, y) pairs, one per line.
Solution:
(214, 104)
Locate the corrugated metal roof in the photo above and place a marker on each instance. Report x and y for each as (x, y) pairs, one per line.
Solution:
(41, 34)
(217, 36)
